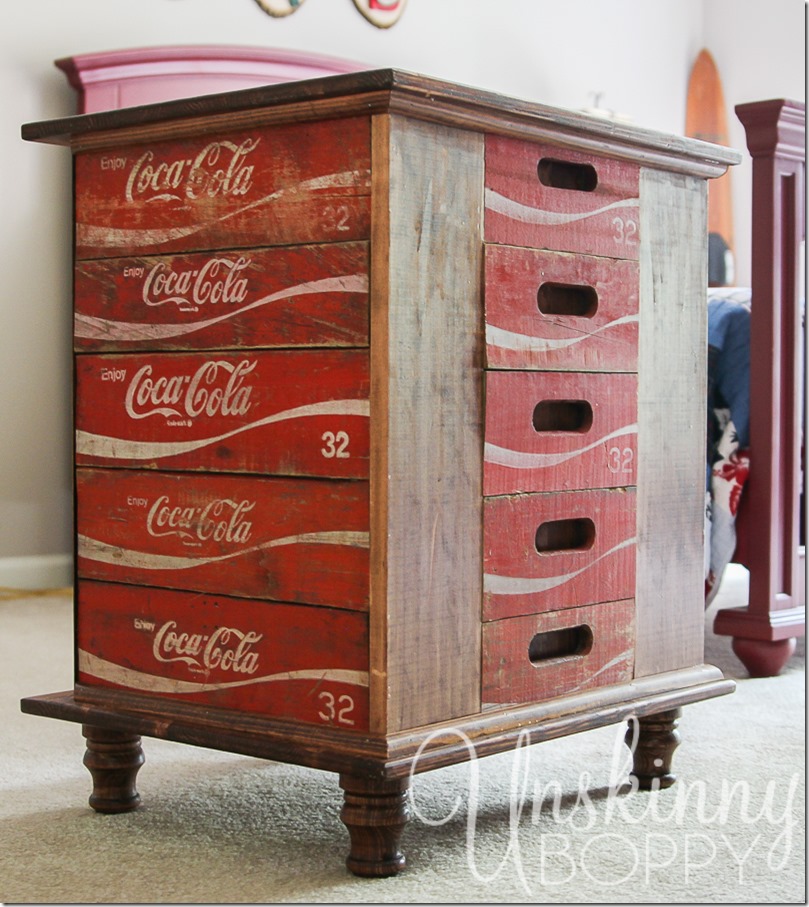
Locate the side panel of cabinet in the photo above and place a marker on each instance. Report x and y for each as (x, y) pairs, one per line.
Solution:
(671, 439)
(426, 390)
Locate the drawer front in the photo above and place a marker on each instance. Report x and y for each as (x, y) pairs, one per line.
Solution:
(297, 296)
(553, 310)
(549, 197)
(239, 535)
(299, 183)
(549, 552)
(559, 431)
(287, 413)
(278, 660)
(538, 657)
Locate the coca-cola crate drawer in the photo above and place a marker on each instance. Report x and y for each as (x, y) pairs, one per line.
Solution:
(537, 657)
(559, 431)
(554, 310)
(279, 412)
(279, 660)
(298, 183)
(296, 296)
(245, 536)
(548, 552)
(550, 197)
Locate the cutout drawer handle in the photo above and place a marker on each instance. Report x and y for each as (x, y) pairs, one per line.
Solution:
(567, 299)
(560, 644)
(563, 415)
(565, 535)
(558, 174)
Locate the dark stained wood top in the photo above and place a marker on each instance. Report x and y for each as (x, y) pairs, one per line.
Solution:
(387, 91)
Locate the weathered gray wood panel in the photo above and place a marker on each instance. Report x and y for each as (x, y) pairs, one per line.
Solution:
(426, 339)
(672, 394)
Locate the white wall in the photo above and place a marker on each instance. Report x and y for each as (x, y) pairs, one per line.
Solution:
(636, 53)
(760, 52)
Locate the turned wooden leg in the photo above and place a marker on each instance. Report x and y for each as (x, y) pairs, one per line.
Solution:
(653, 740)
(761, 657)
(374, 812)
(113, 758)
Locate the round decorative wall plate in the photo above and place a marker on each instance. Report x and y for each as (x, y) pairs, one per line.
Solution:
(279, 8)
(381, 13)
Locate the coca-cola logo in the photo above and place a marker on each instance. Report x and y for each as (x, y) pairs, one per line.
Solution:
(216, 388)
(226, 649)
(219, 169)
(221, 520)
(219, 280)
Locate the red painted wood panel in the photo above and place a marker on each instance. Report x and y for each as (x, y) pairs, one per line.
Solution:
(554, 310)
(585, 204)
(292, 540)
(279, 660)
(548, 552)
(606, 653)
(596, 448)
(283, 297)
(280, 412)
(297, 183)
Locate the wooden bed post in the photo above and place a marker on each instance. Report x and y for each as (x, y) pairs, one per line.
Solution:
(764, 632)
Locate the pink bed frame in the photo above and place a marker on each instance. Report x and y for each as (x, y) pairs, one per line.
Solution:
(129, 78)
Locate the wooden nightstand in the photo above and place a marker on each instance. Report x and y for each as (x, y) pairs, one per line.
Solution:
(389, 426)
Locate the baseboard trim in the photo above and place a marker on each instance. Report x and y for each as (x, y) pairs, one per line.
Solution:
(44, 571)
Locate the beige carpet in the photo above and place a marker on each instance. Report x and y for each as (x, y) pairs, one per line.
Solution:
(541, 825)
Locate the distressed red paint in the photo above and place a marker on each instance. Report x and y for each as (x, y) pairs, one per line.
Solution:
(295, 183)
(594, 646)
(550, 197)
(244, 536)
(293, 296)
(278, 660)
(545, 552)
(277, 412)
(553, 310)
(593, 443)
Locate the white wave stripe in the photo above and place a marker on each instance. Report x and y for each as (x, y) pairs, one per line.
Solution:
(621, 658)
(515, 585)
(92, 445)
(527, 214)
(524, 343)
(152, 683)
(90, 234)
(92, 328)
(518, 459)
(104, 553)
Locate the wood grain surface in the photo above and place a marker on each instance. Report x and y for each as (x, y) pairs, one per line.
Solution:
(238, 189)
(292, 661)
(238, 535)
(293, 296)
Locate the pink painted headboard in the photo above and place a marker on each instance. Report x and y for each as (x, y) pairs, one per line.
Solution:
(127, 78)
